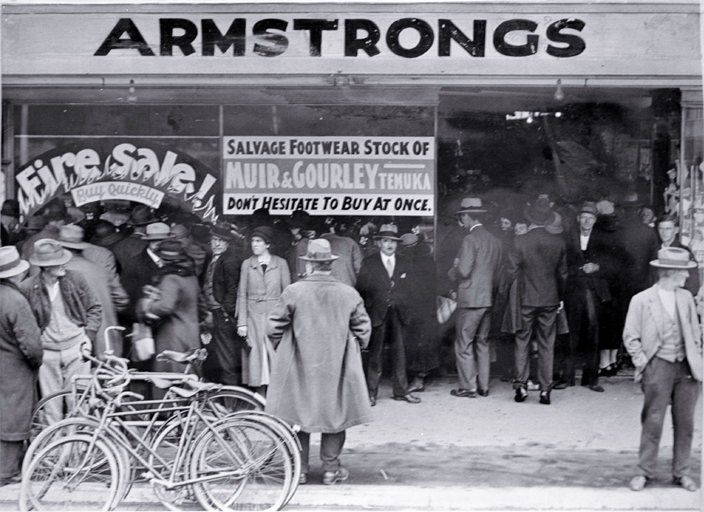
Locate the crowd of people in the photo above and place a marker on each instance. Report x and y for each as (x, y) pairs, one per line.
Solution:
(290, 306)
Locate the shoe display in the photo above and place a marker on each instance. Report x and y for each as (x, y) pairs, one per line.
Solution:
(638, 483)
(462, 393)
(685, 482)
(545, 397)
(332, 477)
(407, 398)
(521, 394)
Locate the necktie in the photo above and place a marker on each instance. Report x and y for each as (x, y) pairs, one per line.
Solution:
(390, 267)
(263, 268)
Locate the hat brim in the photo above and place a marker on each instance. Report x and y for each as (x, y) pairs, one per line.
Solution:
(73, 245)
(156, 238)
(15, 271)
(65, 257)
(470, 210)
(332, 257)
(690, 265)
(539, 222)
(390, 236)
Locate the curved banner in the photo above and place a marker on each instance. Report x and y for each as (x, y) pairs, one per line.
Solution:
(329, 175)
(101, 169)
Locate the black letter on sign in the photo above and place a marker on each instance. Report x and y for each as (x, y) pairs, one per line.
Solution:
(531, 46)
(135, 41)
(448, 32)
(575, 44)
(367, 44)
(168, 40)
(424, 30)
(316, 28)
(279, 43)
(234, 37)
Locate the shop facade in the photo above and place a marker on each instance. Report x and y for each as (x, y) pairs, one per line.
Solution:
(362, 110)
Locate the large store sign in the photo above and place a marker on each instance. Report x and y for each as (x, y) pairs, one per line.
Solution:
(329, 175)
(103, 169)
(220, 39)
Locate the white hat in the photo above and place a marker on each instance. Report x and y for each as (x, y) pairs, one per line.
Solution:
(10, 262)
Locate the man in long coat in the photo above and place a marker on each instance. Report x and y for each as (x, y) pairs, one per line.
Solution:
(22, 353)
(317, 381)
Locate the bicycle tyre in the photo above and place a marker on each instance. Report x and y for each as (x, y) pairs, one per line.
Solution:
(253, 448)
(72, 474)
(231, 399)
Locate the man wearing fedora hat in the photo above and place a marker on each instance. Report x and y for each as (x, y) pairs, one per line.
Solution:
(662, 334)
(384, 284)
(133, 244)
(54, 216)
(21, 358)
(476, 268)
(538, 259)
(317, 327)
(9, 222)
(68, 314)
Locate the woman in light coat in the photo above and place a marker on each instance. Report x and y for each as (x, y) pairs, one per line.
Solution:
(262, 279)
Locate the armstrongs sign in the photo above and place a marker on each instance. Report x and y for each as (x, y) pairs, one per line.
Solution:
(329, 175)
(101, 169)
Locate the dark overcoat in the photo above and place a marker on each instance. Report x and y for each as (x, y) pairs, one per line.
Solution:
(20, 358)
(317, 380)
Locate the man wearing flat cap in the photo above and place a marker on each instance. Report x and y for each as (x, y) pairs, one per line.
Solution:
(317, 328)
(663, 337)
(383, 283)
(476, 268)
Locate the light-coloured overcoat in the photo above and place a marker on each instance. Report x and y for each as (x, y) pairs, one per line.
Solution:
(257, 294)
(645, 328)
(317, 380)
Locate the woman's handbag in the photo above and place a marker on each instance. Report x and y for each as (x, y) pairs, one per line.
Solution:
(142, 342)
(446, 306)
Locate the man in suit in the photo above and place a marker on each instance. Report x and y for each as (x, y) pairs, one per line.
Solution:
(476, 268)
(663, 337)
(383, 284)
(537, 258)
(590, 266)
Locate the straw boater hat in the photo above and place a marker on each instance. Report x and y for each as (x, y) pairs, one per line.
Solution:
(71, 236)
(389, 231)
(10, 262)
(49, 253)
(319, 250)
(157, 231)
(539, 213)
(171, 250)
(470, 205)
(673, 257)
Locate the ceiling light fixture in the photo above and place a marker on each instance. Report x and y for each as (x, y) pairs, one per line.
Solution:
(559, 94)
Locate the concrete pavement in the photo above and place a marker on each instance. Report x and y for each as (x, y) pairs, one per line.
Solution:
(490, 453)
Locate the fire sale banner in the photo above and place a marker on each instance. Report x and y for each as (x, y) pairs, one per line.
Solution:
(329, 175)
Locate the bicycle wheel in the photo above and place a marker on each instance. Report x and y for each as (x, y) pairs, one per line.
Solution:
(230, 399)
(73, 473)
(39, 416)
(254, 463)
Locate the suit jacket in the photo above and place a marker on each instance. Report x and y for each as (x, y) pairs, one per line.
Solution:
(479, 259)
(381, 292)
(642, 334)
(140, 270)
(598, 252)
(539, 259)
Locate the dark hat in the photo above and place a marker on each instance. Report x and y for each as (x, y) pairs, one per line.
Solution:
(319, 250)
(141, 216)
(632, 200)
(389, 231)
(224, 231)
(55, 210)
(171, 250)
(105, 234)
(49, 253)
(71, 236)
(10, 208)
(300, 219)
(539, 213)
(673, 257)
(263, 232)
(470, 205)
(589, 207)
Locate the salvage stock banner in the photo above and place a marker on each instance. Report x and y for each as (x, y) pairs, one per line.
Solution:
(102, 169)
(329, 175)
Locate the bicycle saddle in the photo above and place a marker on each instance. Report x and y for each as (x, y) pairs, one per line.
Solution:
(197, 354)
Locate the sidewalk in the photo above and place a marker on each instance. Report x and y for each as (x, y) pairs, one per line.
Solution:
(491, 453)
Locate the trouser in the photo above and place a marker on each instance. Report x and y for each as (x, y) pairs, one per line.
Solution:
(11, 453)
(664, 383)
(584, 313)
(330, 449)
(543, 320)
(55, 374)
(391, 331)
(472, 347)
(225, 351)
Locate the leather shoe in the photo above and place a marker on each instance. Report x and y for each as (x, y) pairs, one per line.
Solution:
(372, 400)
(462, 393)
(685, 482)
(545, 397)
(597, 388)
(521, 394)
(332, 477)
(407, 398)
(638, 483)
(560, 384)
(483, 392)
(303, 479)
(417, 386)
